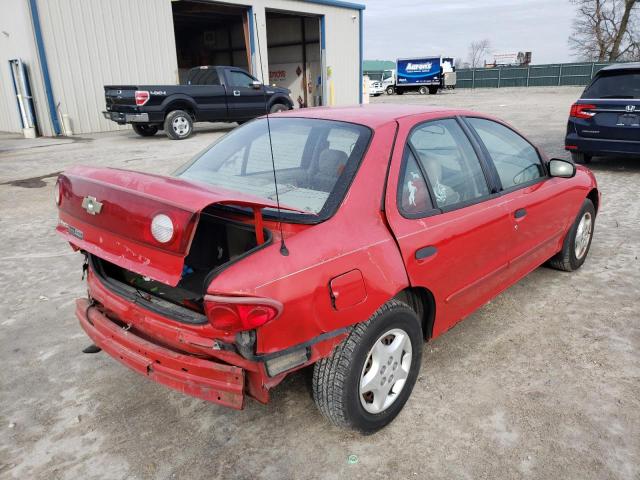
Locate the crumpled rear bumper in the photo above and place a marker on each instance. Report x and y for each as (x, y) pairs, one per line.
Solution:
(198, 377)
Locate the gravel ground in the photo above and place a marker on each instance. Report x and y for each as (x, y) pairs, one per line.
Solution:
(543, 382)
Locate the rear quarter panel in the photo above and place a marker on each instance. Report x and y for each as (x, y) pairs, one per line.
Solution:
(356, 237)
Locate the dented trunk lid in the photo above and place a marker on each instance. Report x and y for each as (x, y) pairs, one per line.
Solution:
(108, 212)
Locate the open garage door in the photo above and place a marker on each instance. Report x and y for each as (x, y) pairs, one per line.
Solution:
(293, 48)
(210, 34)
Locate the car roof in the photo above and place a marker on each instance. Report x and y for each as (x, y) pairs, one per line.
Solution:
(621, 66)
(373, 116)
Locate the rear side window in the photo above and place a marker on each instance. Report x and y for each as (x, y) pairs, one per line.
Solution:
(624, 84)
(204, 76)
(414, 195)
(515, 159)
(449, 161)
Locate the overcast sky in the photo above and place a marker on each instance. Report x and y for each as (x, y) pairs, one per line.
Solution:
(408, 28)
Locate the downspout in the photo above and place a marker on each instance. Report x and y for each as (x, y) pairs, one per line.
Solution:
(361, 27)
(42, 56)
(252, 46)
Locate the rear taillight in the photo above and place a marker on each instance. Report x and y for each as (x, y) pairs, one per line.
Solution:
(57, 193)
(582, 110)
(235, 314)
(142, 97)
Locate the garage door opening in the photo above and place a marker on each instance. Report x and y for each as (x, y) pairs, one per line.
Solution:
(293, 48)
(208, 34)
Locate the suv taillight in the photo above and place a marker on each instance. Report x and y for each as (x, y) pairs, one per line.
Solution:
(142, 97)
(582, 110)
(235, 314)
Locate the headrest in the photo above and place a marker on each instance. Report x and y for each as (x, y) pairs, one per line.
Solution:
(330, 162)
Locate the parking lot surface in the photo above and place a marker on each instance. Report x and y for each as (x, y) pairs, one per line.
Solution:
(542, 382)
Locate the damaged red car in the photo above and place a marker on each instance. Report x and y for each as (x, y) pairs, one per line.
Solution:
(340, 238)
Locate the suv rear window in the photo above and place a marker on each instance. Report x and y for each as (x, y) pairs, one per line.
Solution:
(622, 84)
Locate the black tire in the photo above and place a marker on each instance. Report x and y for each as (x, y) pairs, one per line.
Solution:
(581, 158)
(433, 90)
(423, 91)
(278, 107)
(571, 257)
(399, 92)
(178, 125)
(390, 90)
(336, 379)
(144, 129)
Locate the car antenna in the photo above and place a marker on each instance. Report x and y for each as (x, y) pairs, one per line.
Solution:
(283, 247)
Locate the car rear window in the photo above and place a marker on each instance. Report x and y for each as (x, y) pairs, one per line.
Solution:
(314, 159)
(623, 84)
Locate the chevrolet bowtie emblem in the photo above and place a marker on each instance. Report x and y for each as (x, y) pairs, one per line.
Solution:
(91, 205)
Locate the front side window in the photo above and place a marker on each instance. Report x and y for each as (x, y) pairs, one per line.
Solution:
(449, 161)
(314, 161)
(515, 159)
(240, 79)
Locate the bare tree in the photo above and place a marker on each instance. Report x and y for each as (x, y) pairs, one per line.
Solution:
(606, 30)
(478, 51)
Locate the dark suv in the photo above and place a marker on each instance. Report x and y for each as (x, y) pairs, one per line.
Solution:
(606, 119)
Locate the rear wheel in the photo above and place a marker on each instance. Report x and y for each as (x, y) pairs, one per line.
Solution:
(578, 240)
(423, 91)
(367, 380)
(144, 129)
(433, 90)
(579, 157)
(389, 90)
(178, 125)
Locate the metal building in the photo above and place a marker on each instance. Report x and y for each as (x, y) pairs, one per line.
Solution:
(66, 50)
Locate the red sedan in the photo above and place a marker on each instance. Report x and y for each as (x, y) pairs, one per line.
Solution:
(341, 238)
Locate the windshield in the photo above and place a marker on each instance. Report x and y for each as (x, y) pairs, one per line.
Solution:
(315, 161)
(625, 84)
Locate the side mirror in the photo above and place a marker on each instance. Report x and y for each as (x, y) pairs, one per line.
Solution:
(256, 84)
(561, 168)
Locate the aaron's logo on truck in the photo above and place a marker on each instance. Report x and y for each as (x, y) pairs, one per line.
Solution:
(418, 67)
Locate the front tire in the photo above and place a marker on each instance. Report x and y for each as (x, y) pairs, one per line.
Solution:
(144, 129)
(278, 107)
(577, 243)
(368, 378)
(581, 158)
(178, 125)
(390, 90)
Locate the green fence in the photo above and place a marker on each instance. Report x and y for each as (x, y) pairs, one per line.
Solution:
(531, 76)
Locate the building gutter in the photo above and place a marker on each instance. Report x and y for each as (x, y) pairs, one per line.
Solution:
(42, 56)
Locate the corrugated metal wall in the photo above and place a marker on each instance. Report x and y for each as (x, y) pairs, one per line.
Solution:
(91, 43)
(558, 74)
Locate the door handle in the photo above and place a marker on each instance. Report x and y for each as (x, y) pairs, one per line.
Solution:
(425, 252)
(236, 93)
(519, 213)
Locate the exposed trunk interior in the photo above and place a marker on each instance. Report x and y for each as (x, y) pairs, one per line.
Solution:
(217, 241)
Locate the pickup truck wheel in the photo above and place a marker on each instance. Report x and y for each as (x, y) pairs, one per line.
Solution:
(178, 125)
(578, 240)
(579, 157)
(368, 378)
(423, 90)
(144, 129)
(389, 90)
(278, 107)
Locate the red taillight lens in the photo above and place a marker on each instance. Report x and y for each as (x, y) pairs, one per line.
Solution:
(582, 110)
(235, 314)
(57, 193)
(142, 97)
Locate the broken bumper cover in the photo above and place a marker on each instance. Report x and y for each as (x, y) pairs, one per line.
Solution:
(198, 377)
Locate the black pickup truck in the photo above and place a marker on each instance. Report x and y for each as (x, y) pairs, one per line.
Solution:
(211, 94)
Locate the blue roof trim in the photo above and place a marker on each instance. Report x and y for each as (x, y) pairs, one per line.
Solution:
(338, 3)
